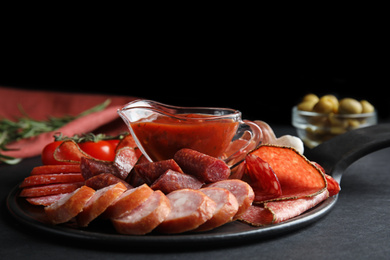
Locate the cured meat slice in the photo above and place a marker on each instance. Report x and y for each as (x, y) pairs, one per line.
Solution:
(99, 203)
(125, 159)
(44, 179)
(264, 182)
(103, 180)
(127, 141)
(51, 189)
(172, 180)
(297, 176)
(128, 201)
(53, 169)
(69, 206)
(145, 217)
(189, 209)
(278, 211)
(92, 167)
(226, 208)
(151, 171)
(333, 186)
(204, 167)
(69, 152)
(241, 190)
(45, 200)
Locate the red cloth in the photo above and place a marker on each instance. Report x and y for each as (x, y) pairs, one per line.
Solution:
(40, 105)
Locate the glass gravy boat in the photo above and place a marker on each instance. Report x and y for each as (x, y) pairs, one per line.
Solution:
(161, 130)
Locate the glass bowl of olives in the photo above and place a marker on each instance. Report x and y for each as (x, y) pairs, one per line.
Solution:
(319, 119)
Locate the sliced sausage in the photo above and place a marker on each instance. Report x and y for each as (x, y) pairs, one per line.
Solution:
(51, 169)
(204, 167)
(45, 200)
(241, 190)
(45, 179)
(128, 201)
(151, 171)
(227, 207)
(51, 189)
(99, 203)
(103, 180)
(189, 209)
(172, 180)
(69, 206)
(145, 217)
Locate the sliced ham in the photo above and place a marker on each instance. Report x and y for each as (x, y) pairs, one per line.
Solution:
(145, 217)
(99, 203)
(189, 209)
(69, 206)
(226, 208)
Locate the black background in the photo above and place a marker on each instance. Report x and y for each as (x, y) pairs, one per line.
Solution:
(260, 70)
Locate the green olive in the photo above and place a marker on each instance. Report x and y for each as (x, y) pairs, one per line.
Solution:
(334, 101)
(306, 105)
(367, 107)
(323, 106)
(350, 106)
(310, 97)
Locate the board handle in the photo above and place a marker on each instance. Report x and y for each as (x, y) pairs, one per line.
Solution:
(339, 152)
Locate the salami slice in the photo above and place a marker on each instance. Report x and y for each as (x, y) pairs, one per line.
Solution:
(69, 152)
(265, 183)
(51, 189)
(333, 186)
(297, 176)
(278, 211)
(45, 179)
(53, 169)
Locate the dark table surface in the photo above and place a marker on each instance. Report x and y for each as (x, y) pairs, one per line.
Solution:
(358, 227)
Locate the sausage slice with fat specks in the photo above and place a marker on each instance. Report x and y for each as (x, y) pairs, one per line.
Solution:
(204, 167)
(227, 207)
(189, 209)
(69, 206)
(99, 203)
(241, 190)
(145, 217)
(128, 201)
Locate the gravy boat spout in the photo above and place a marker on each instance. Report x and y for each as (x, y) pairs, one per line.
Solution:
(161, 130)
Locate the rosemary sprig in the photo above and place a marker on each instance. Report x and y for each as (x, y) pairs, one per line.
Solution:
(25, 127)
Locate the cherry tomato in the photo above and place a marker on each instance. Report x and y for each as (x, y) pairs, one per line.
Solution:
(101, 150)
(114, 142)
(47, 154)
